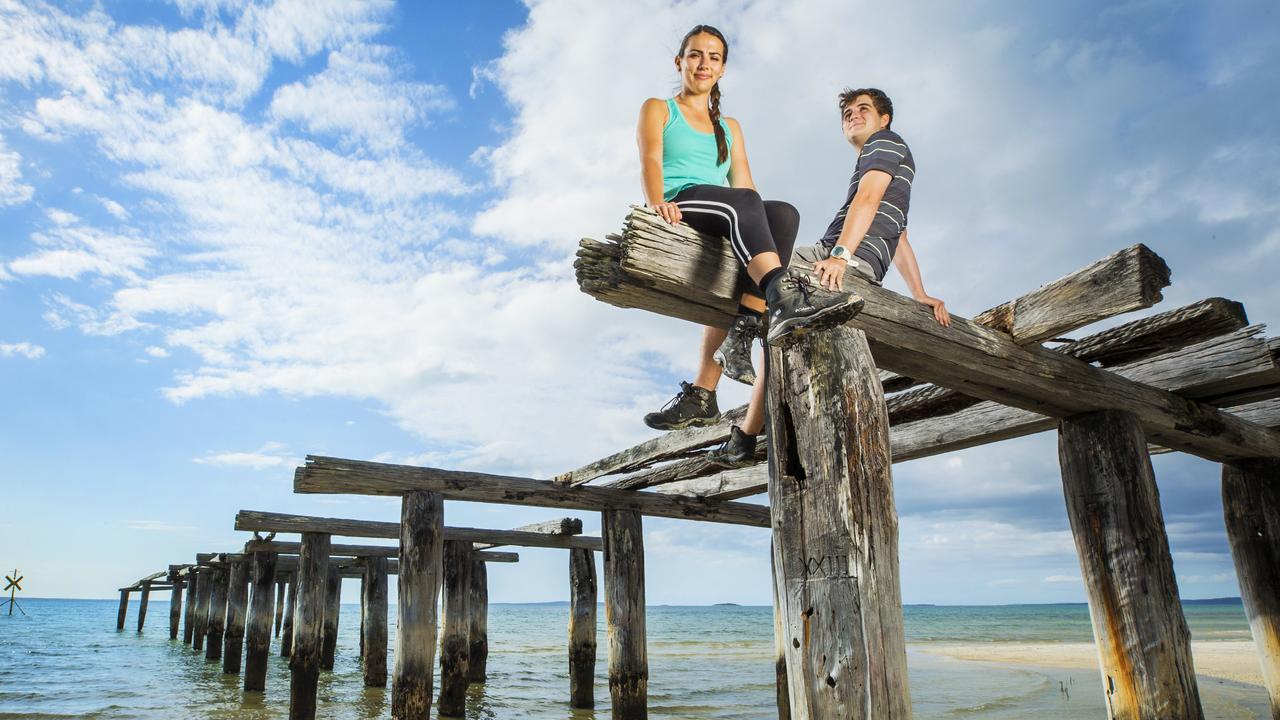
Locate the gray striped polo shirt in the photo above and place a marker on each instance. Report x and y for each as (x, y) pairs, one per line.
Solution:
(885, 151)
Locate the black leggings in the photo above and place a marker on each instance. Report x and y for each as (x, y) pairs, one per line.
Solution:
(752, 225)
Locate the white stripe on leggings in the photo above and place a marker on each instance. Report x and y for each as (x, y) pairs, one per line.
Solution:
(734, 224)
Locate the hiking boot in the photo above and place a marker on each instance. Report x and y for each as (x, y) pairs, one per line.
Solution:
(738, 451)
(797, 305)
(734, 355)
(691, 407)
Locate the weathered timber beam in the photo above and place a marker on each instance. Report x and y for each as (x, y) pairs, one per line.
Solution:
(333, 475)
(1148, 337)
(1129, 342)
(349, 555)
(281, 522)
(1227, 366)
(494, 556)
(560, 526)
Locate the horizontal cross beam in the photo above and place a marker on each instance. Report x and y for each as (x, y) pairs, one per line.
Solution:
(279, 522)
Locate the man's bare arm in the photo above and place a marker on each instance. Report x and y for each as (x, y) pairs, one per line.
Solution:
(905, 260)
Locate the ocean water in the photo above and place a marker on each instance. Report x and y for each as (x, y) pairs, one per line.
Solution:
(66, 660)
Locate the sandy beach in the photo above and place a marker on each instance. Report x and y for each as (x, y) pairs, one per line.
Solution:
(1234, 660)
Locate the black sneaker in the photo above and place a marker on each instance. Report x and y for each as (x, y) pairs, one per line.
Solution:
(691, 407)
(734, 355)
(797, 304)
(738, 451)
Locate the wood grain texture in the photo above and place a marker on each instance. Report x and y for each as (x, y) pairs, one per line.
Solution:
(290, 607)
(332, 608)
(122, 613)
(782, 689)
(282, 587)
(258, 631)
(478, 630)
(175, 608)
(1251, 507)
(334, 475)
(491, 556)
(582, 629)
(559, 526)
(237, 612)
(373, 626)
(454, 643)
(259, 521)
(308, 629)
(835, 531)
(217, 626)
(188, 614)
(144, 598)
(1144, 647)
(204, 590)
(624, 613)
(421, 550)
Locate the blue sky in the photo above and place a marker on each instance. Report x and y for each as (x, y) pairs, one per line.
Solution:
(232, 234)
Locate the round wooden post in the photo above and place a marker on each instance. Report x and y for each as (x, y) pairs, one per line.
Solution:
(373, 651)
(582, 628)
(624, 614)
(189, 613)
(143, 599)
(123, 611)
(1251, 504)
(332, 606)
(835, 531)
(202, 609)
(478, 632)
(1144, 647)
(175, 609)
(782, 694)
(217, 613)
(308, 631)
(286, 633)
(421, 547)
(258, 634)
(454, 643)
(280, 588)
(237, 602)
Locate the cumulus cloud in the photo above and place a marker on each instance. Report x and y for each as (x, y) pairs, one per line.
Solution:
(270, 455)
(12, 190)
(21, 349)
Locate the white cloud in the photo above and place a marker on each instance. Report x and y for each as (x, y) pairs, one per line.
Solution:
(157, 352)
(22, 349)
(12, 190)
(116, 210)
(270, 455)
(70, 250)
(358, 97)
(1062, 579)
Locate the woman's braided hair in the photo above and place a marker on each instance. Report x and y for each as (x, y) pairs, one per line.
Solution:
(722, 144)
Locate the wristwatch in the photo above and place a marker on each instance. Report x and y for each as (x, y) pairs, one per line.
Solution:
(841, 252)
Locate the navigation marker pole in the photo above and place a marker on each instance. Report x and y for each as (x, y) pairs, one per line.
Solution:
(13, 583)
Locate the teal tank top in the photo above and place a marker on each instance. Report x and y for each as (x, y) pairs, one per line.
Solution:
(689, 156)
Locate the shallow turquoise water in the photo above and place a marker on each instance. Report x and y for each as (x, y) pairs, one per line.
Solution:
(65, 660)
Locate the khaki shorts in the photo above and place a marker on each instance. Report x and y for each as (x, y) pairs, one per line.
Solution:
(814, 253)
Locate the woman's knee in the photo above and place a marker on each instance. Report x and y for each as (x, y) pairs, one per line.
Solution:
(783, 213)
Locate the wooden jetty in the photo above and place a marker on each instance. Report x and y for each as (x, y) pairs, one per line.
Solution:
(844, 405)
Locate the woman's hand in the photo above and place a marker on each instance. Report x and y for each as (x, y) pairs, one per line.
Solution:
(939, 309)
(830, 273)
(669, 211)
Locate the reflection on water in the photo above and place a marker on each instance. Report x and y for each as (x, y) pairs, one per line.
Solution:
(66, 661)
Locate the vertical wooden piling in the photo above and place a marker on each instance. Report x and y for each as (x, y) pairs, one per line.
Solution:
(478, 632)
(291, 603)
(624, 614)
(1251, 505)
(454, 644)
(1114, 507)
(124, 609)
(782, 695)
(280, 589)
(308, 631)
(373, 651)
(237, 602)
(202, 609)
(421, 546)
(175, 609)
(582, 628)
(143, 599)
(189, 613)
(258, 634)
(217, 613)
(835, 531)
(332, 606)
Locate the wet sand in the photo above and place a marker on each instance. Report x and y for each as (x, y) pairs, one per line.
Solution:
(1234, 660)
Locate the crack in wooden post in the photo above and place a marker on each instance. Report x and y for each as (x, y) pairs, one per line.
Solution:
(258, 633)
(421, 548)
(624, 613)
(308, 632)
(582, 628)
